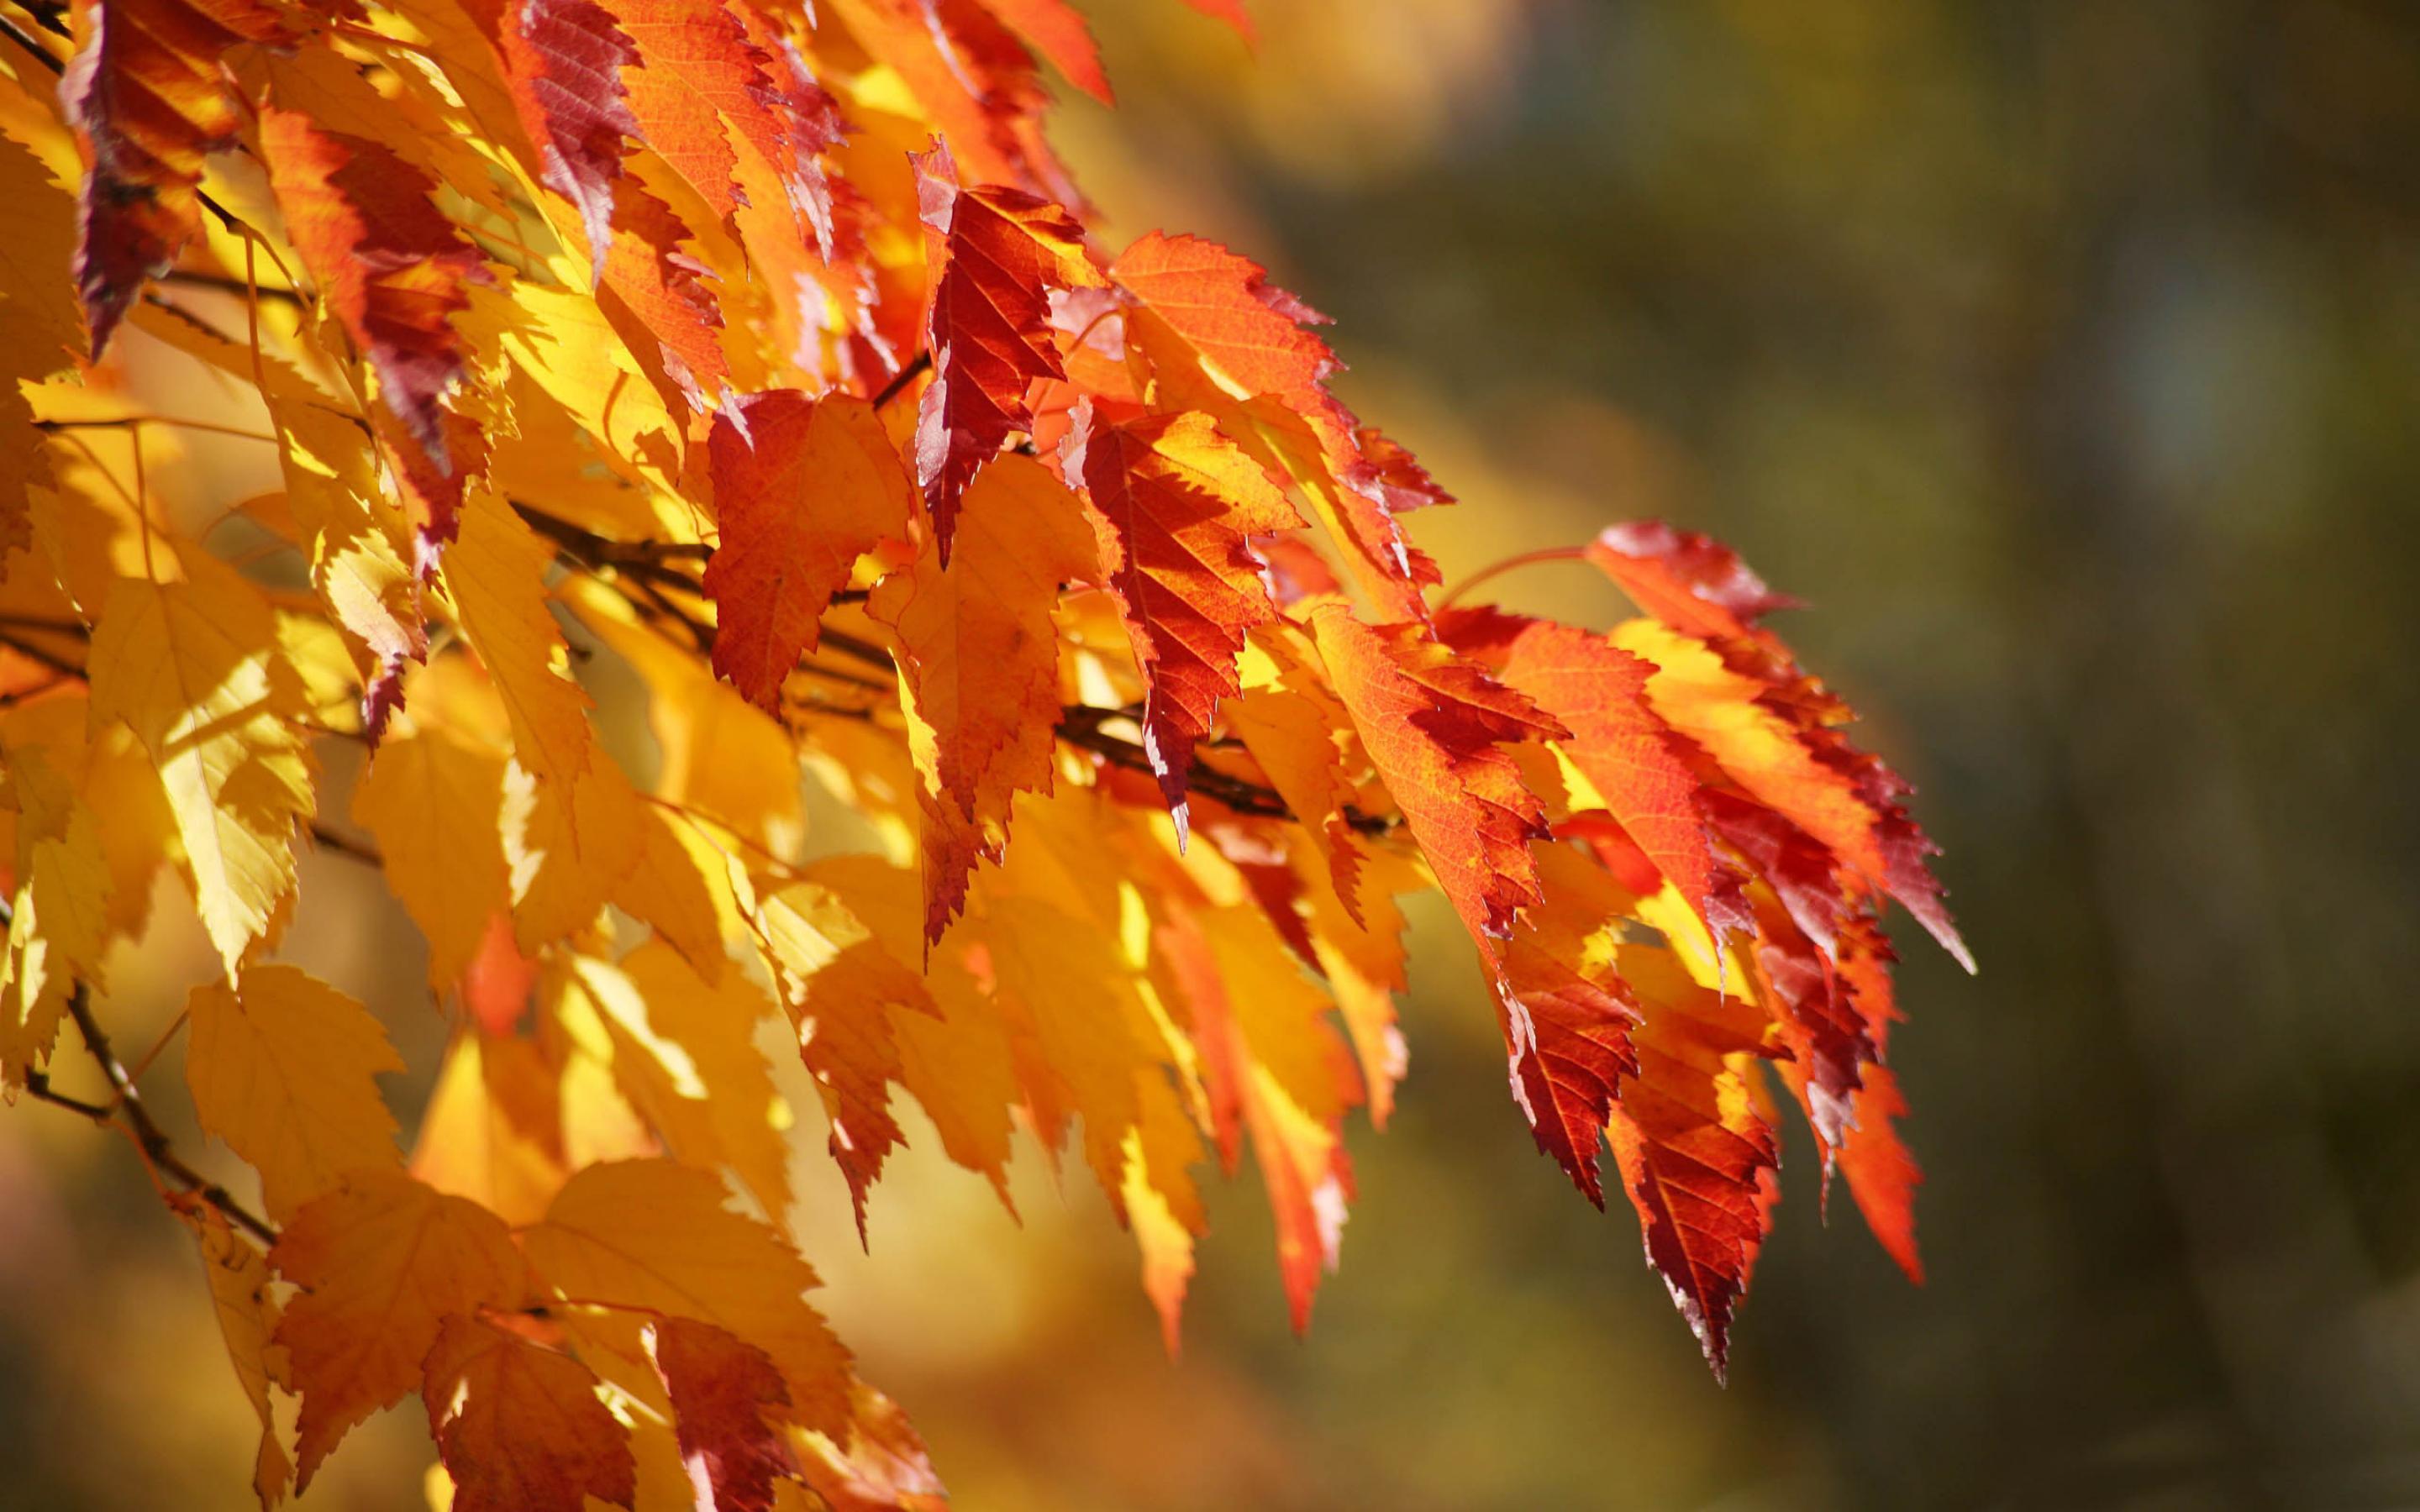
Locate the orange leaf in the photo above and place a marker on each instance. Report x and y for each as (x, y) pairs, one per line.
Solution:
(1697, 1157)
(1056, 30)
(382, 1261)
(1627, 753)
(980, 661)
(520, 1427)
(283, 1068)
(1434, 725)
(803, 486)
(390, 266)
(656, 1237)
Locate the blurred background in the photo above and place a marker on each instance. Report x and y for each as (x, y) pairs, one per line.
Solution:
(2065, 357)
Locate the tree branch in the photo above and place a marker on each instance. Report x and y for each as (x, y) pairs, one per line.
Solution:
(649, 570)
(126, 1109)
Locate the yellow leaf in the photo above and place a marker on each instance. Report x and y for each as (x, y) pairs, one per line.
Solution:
(684, 1052)
(493, 1129)
(653, 1235)
(193, 670)
(240, 1280)
(435, 805)
(284, 1068)
(495, 572)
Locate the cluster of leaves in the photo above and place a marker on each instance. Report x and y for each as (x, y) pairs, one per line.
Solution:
(760, 351)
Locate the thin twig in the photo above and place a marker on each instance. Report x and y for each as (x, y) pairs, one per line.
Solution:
(918, 365)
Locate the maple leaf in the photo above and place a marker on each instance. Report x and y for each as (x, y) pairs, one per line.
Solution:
(1000, 253)
(1175, 504)
(803, 486)
(654, 1236)
(384, 1261)
(147, 93)
(390, 266)
(520, 1427)
(282, 1069)
(1696, 1156)
(979, 664)
(730, 1404)
(193, 669)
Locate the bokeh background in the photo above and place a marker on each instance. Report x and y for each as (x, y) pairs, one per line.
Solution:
(2066, 358)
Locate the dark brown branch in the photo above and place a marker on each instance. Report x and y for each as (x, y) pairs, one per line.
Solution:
(345, 845)
(41, 54)
(232, 286)
(127, 1109)
(647, 568)
(146, 1131)
(921, 363)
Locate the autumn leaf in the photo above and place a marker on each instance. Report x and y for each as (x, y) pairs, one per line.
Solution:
(1435, 725)
(390, 266)
(384, 1262)
(804, 486)
(519, 1425)
(1060, 759)
(283, 1068)
(1697, 1155)
(145, 92)
(193, 668)
(979, 664)
(1175, 505)
(1003, 252)
(729, 1403)
(247, 1315)
(656, 1237)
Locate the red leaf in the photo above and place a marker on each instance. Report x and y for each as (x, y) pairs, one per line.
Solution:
(1434, 724)
(520, 1427)
(728, 1401)
(145, 92)
(390, 265)
(1697, 1157)
(1000, 253)
(1175, 504)
(1567, 1057)
(1056, 30)
(566, 59)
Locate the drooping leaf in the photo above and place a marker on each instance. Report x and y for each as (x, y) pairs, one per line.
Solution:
(147, 94)
(1175, 505)
(803, 487)
(390, 266)
(520, 1427)
(1002, 251)
(656, 1237)
(980, 664)
(283, 1068)
(384, 1261)
(730, 1404)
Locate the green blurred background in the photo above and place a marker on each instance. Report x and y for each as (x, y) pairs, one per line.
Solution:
(2066, 358)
